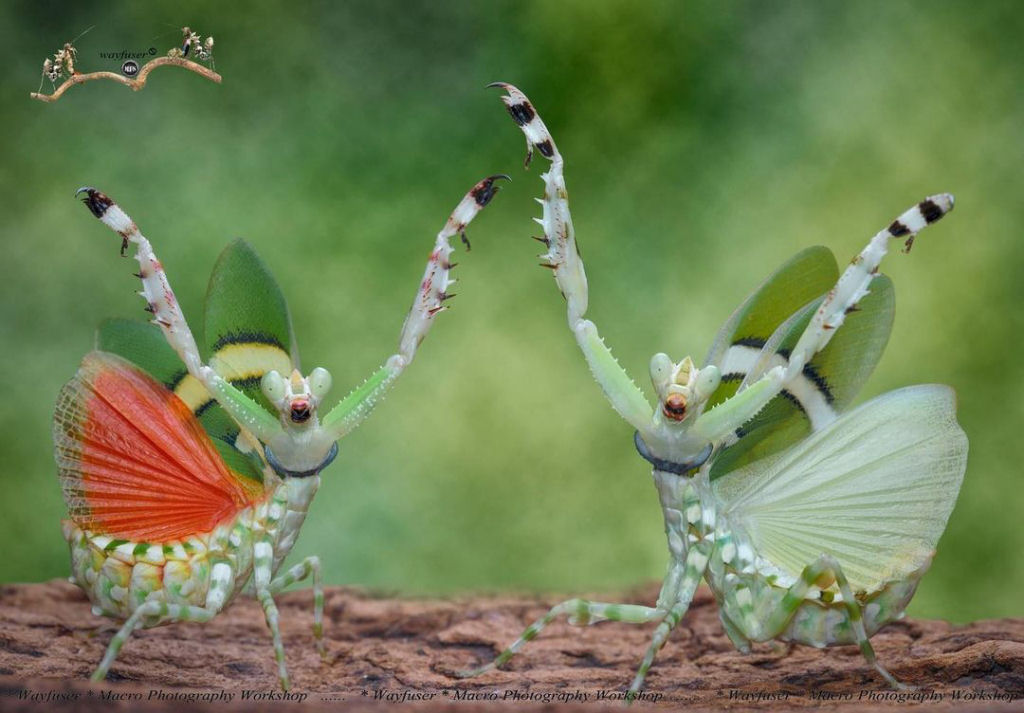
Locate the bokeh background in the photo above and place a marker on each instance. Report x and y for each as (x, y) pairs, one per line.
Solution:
(705, 143)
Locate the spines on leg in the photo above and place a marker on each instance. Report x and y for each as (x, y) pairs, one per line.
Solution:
(853, 283)
(435, 287)
(167, 315)
(434, 290)
(843, 299)
(563, 256)
(156, 290)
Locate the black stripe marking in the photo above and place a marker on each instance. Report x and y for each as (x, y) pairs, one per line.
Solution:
(794, 400)
(930, 211)
(734, 376)
(522, 113)
(95, 201)
(898, 229)
(240, 384)
(247, 338)
(176, 380)
(742, 431)
(754, 342)
(812, 375)
(546, 149)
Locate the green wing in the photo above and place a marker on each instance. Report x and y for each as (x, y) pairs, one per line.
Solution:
(829, 382)
(804, 277)
(245, 307)
(248, 333)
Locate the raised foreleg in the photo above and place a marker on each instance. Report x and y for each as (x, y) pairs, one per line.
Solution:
(721, 421)
(429, 302)
(163, 305)
(563, 259)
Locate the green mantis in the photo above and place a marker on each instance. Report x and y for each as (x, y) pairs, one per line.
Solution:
(188, 481)
(810, 523)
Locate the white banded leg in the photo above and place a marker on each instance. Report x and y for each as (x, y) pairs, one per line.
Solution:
(433, 291)
(262, 569)
(563, 258)
(163, 305)
(821, 573)
(159, 612)
(852, 286)
(579, 612)
(305, 568)
(696, 562)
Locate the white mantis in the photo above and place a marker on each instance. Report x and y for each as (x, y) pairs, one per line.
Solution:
(810, 524)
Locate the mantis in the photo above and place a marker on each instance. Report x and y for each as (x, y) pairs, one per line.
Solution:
(811, 523)
(188, 481)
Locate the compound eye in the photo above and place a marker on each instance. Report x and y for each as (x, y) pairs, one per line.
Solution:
(661, 370)
(707, 382)
(273, 386)
(319, 382)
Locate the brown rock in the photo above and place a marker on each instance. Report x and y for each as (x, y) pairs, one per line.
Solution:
(50, 642)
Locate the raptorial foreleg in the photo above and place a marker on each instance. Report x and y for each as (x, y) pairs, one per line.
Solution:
(155, 612)
(721, 421)
(163, 305)
(563, 259)
(434, 290)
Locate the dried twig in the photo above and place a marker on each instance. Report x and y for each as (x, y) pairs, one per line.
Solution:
(136, 84)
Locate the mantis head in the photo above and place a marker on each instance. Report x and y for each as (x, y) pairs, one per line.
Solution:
(297, 398)
(682, 387)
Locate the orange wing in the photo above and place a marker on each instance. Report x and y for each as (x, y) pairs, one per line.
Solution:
(133, 461)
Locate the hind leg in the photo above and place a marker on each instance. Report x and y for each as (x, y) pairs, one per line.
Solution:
(762, 625)
(157, 612)
(579, 612)
(305, 568)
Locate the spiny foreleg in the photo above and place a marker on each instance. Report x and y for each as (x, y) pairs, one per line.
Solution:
(305, 568)
(163, 305)
(563, 259)
(578, 612)
(842, 299)
(853, 283)
(155, 612)
(433, 291)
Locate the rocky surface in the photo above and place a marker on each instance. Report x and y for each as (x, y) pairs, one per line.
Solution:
(380, 647)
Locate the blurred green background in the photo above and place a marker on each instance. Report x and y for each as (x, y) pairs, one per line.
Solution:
(705, 143)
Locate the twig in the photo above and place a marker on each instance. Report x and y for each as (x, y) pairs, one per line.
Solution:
(135, 84)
